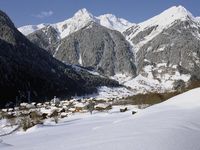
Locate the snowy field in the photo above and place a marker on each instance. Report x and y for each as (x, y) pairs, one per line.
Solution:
(171, 125)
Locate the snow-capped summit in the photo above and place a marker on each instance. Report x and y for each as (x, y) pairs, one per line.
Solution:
(80, 19)
(31, 28)
(168, 16)
(112, 22)
(178, 11)
(83, 13)
(158, 23)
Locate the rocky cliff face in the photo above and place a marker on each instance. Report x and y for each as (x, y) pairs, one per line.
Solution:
(95, 46)
(44, 37)
(178, 45)
(26, 67)
(105, 50)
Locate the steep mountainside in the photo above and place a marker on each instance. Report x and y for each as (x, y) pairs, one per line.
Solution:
(25, 67)
(96, 46)
(44, 37)
(167, 47)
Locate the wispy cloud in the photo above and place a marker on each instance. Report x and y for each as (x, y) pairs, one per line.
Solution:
(44, 14)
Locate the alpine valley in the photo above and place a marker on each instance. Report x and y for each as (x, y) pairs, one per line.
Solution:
(159, 55)
(25, 67)
(100, 82)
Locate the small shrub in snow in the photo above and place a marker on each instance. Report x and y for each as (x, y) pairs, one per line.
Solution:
(90, 106)
(133, 112)
(2, 114)
(179, 85)
(36, 117)
(54, 115)
(70, 105)
(11, 119)
(44, 116)
(123, 109)
(25, 122)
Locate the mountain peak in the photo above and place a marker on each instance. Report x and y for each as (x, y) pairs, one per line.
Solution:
(168, 16)
(8, 31)
(108, 16)
(4, 18)
(180, 7)
(178, 11)
(112, 22)
(83, 13)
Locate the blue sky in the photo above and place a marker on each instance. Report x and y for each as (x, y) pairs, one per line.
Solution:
(24, 12)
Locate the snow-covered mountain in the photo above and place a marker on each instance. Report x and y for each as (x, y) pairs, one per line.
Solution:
(112, 22)
(159, 54)
(31, 28)
(78, 21)
(97, 47)
(166, 49)
(157, 24)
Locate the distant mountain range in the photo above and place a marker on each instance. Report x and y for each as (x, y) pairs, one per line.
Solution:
(157, 55)
(78, 21)
(88, 41)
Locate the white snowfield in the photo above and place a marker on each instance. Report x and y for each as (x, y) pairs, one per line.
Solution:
(171, 125)
(80, 20)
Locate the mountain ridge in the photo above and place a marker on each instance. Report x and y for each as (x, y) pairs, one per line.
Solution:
(81, 18)
(159, 47)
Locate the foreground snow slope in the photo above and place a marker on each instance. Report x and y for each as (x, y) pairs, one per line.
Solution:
(171, 125)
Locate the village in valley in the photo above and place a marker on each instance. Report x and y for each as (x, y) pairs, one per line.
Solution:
(27, 115)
